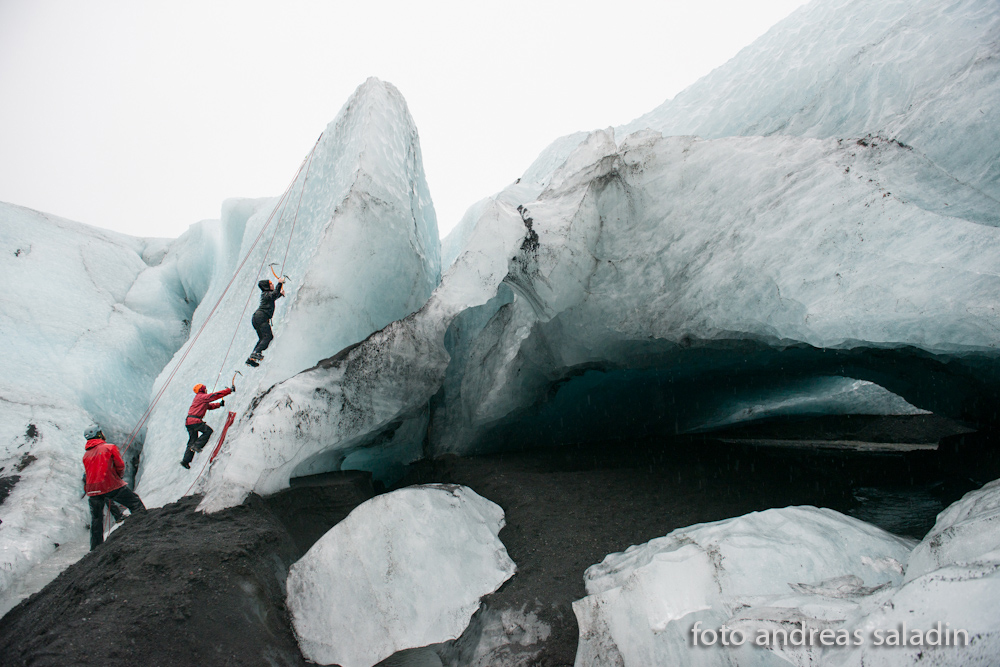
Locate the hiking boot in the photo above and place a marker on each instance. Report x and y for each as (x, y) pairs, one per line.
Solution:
(186, 464)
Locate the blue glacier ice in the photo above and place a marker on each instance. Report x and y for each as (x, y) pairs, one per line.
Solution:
(109, 329)
(812, 228)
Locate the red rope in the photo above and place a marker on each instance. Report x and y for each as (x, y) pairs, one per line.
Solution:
(301, 192)
(236, 329)
(307, 163)
(298, 204)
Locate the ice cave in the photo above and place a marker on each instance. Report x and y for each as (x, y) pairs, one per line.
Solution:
(734, 363)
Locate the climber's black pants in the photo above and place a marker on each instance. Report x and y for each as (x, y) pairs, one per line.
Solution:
(198, 435)
(262, 325)
(125, 496)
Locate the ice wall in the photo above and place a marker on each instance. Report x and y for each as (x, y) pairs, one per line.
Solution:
(87, 321)
(675, 274)
(356, 234)
(368, 406)
(662, 289)
(921, 72)
(663, 281)
(631, 260)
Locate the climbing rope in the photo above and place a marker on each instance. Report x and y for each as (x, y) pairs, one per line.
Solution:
(281, 204)
(308, 166)
(149, 410)
(299, 203)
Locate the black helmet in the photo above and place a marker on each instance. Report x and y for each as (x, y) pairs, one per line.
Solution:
(92, 432)
(264, 285)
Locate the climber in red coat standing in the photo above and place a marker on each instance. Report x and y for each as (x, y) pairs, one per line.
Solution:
(198, 431)
(104, 465)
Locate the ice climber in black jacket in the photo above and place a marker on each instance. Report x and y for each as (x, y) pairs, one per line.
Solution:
(262, 318)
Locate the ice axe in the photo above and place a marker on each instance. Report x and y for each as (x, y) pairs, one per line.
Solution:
(232, 385)
(271, 266)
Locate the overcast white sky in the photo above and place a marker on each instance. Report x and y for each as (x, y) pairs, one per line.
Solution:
(143, 116)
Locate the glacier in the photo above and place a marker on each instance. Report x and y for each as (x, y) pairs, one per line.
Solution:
(681, 282)
(628, 271)
(356, 231)
(811, 229)
(404, 570)
(116, 330)
(921, 73)
(91, 320)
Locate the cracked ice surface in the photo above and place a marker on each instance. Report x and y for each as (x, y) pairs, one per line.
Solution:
(362, 251)
(404, 570)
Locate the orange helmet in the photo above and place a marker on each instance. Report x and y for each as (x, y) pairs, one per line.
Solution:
(198, 388)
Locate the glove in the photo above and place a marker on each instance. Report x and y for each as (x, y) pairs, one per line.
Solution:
(222, 402)
(233, 388)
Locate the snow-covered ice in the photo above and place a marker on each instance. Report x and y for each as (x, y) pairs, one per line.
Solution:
(964, 533)
(952, 579)
(404, 570)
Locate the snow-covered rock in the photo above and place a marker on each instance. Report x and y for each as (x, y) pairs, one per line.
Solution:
(778, 567)
(87, 320)
(357, 235)
(403, 570)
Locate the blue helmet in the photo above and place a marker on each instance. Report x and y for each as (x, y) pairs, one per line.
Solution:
(92, 432)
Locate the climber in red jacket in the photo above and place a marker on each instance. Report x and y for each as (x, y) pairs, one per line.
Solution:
(198, 431)
(104, 466)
